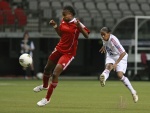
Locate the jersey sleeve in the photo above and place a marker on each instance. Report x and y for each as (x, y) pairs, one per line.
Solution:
(116, 44)
(84, 27)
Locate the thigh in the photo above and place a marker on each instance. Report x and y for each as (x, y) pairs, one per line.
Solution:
(52, 61)
(55, 56)
(50, 65)
(65, 60)
(109, 60)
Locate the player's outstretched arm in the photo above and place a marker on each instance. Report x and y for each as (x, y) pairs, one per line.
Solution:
(119, 59)
(102, 50)
(82, 30)
(121, 56)
(54, 24)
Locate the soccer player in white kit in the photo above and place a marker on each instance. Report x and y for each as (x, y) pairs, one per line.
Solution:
(116, 59)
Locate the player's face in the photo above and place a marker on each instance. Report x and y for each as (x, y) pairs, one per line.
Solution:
(105, 35)
(67, 15)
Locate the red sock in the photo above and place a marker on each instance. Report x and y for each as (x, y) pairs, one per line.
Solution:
(45, 81)
(50, 89)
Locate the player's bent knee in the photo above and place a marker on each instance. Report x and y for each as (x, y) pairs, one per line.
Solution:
(47, 70)
(55, 77)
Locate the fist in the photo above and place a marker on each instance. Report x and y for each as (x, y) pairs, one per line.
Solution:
(78, 23)
(52, 22)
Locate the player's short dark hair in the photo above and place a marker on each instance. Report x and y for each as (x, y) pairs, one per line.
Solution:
(70, 8)
(106, 29)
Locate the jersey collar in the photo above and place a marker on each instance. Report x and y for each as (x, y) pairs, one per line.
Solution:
(73, 20)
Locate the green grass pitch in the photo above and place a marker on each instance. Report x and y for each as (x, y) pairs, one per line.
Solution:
(74, 96)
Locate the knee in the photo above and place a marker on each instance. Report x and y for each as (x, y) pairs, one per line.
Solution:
(120, 75)
(47, 69)
(109, 67)
(58, 70)
(54, 78)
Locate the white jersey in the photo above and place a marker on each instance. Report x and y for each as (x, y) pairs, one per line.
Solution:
(114, 49)
(113, 46)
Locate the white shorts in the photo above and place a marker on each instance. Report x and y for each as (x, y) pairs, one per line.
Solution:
(122, 65)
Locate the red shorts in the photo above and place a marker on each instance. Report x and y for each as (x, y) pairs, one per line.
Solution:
(59, 58)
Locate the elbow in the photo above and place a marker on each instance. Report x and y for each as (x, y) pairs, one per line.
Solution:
(86, 35)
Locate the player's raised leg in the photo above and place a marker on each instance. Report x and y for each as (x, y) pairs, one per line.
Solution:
(57, 71)
(104, 76)
(47, 73)
(102, 80)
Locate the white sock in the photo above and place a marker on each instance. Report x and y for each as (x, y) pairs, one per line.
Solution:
(106, 73)
(127, 83)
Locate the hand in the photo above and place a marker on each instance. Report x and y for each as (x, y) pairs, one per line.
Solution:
(102, 50)
(114, 66)
(78, 23)
(52, 22)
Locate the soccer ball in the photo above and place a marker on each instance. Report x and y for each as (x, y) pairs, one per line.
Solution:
(25, 60)
(39, 75)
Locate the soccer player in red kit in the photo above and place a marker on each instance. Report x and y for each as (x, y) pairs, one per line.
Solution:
(64, 52)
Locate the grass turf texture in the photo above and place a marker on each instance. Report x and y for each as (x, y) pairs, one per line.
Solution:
(74, 96)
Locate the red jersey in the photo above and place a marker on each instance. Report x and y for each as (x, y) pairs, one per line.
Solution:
(69, 37)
